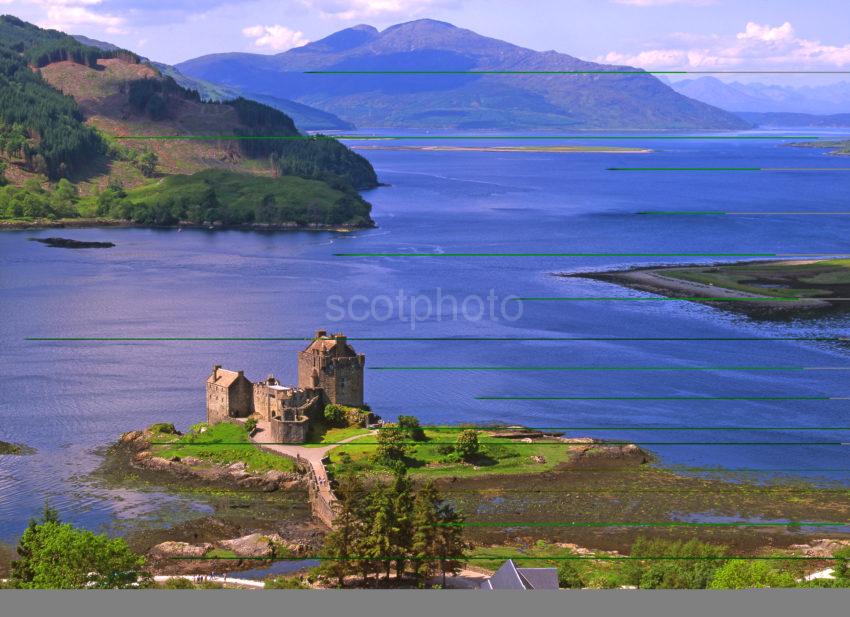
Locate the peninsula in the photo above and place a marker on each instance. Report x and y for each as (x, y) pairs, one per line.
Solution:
(758, 288)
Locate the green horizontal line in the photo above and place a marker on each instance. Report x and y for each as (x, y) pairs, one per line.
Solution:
(670, 299)
(632, 524)
(728, 168)
(457, 137)
(562, 254)
(685, 169)
(597, 368)
(588, 72)
(436, 338)
(504, 557)
(663, 398)
(628, 428)
(361, 443)
(719, 213)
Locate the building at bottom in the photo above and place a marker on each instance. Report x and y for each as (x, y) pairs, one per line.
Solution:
(330, 371)
(509, 576)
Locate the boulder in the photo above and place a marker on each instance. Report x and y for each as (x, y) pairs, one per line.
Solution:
(253, 545)
(167, 550)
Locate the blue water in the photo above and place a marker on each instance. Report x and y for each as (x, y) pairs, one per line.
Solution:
(67, 399)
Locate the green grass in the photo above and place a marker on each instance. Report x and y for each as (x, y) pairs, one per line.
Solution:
(499, 456)
(202, 446)
(820, 279)
(319, 435)
(220, 553)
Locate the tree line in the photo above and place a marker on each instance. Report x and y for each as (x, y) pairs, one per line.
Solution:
(385, 530)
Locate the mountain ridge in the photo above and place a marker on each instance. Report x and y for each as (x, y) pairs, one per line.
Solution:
(457, 101)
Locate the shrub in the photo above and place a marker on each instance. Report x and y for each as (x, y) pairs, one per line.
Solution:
(750, 574)
(163, 427)
(411, 425)
(284, 582)
(250, 424)
(445, 449)
(178, 583)
(334, 415)
(391, 444)
(568, 576)
(467, 445)
(694, 567)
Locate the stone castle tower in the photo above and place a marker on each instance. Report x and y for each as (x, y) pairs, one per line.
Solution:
(331, 364)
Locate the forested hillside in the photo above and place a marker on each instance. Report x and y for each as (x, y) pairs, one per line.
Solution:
(110, 124)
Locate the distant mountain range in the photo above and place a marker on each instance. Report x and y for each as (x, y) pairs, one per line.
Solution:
(305, 117)
(762, 98)
(620, 101)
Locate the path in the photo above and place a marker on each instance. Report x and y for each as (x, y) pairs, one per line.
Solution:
(313, 456)
(238, 582)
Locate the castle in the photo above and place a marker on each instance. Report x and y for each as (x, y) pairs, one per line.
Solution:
(329, 371)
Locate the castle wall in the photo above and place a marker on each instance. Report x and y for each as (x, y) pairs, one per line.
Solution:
(341, 378)
(218, 404)
(290, 431)
(241, 399)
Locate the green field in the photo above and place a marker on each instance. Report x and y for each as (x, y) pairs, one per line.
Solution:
(499, 456)
(319, 435)
(820, 279)
(203, 446)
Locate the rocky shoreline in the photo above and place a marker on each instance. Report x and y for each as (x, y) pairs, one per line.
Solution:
(138, 445)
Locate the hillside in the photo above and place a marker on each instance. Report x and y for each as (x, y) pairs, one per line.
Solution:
(86, 115)
(456, 101)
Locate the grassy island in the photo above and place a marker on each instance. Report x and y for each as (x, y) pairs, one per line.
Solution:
(760, 287)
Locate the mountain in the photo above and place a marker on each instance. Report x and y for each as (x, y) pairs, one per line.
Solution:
(589, 101)
(780, 119)
(305, 117)
(96, 131)
(758, 97)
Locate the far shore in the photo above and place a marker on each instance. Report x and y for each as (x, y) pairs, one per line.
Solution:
(82, 223)
(558, 149)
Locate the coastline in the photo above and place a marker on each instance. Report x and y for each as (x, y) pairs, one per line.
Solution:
(652, 279)
(83, 223)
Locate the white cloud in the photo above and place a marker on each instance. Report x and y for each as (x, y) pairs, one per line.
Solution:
(758, 46)
(66, 15)
(357, 9)
(276, 37)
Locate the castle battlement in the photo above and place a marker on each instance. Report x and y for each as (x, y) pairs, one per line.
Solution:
(329, 372)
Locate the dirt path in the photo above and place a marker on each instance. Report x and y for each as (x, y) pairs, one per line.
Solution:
(313, 456)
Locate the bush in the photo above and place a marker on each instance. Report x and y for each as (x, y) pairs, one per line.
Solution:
(163, 427)
(694, 567)
(391, 444)
(467, 445)
(335, 415)
(568, 576)
(250, 424)
(411, 425)
(178, 583)
(445, 449)
(750, 574)
(284, 582)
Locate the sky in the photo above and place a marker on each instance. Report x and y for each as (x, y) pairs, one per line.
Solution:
(652, 34)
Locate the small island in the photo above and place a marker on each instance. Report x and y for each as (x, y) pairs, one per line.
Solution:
(838, 148)
(757, 288)
(67, 243)
(8, 449)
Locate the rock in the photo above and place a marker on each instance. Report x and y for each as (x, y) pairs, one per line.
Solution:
(191, 460)
(140, 456)
(131, 436)
(253, 545)
(166, 550)
(538, 459)
(527, 440)
(824, 547)
(237, 466)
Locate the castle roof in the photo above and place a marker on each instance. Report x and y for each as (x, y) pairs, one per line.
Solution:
(336, 345)
(223, 377)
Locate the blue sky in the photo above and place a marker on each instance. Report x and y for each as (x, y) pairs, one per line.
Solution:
(654, 34)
